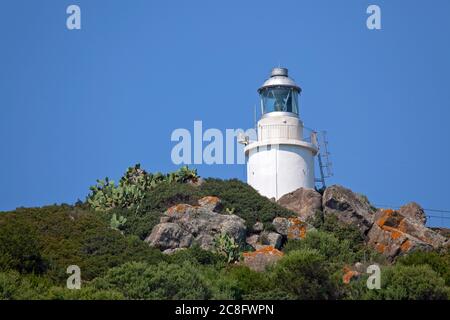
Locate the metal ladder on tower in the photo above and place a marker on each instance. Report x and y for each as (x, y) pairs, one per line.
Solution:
(323, 156)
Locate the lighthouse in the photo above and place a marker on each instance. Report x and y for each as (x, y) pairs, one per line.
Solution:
(281, 160)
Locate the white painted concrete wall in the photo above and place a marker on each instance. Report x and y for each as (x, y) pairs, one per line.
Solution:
(280, 170)
(280, 161)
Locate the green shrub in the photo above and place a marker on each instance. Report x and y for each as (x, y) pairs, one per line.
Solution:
(341, 230)
(440, 263)
(163, 281)
(166, 195)
(61, 236)
(85, 293)
(402, 282)
(19, 246)
(16, 286)
(195, 255)
(303, 274)
(327, 244)
(250, 284)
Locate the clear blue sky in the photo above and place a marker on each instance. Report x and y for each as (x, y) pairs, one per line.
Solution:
(80, 105)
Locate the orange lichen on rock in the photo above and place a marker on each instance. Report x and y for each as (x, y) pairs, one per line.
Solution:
(402, 226)
(260, 259)
(395, 234)
(380, 247)
(266, 250)
(349, 275)
(297, 229)
(405, 246)
(386, 214)
(208, 200)
(179, 208)
(392, 222)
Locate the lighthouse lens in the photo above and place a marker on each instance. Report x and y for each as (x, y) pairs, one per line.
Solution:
(276, 99)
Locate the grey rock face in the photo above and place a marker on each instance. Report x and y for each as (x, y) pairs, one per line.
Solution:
(413, 212)
(281, 225)
(393, 234)
(272, 239)
(304, 202)
(183, 225)
(169, 236)
(262, 258)
(349, 207)
(292, 228)
(253, 240)
(258, 227)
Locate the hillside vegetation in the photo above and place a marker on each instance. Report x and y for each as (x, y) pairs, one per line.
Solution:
(105, 235)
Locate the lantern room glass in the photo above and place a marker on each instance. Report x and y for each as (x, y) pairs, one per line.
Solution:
(284, 99)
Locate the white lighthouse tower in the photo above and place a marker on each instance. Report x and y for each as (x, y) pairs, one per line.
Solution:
(282, 159)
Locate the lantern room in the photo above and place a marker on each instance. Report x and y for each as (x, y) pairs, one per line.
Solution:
(279, 93)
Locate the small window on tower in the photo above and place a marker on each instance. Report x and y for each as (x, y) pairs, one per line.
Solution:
(269, 147)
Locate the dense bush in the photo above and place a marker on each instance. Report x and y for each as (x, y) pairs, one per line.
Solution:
(195, 254)
(251, 285)
(49, 239)
(19, 246)
(162, 281)
(342, 231)
(304, 274)
(440, 263)
(402, 282)
(16, 286)
(340, 252)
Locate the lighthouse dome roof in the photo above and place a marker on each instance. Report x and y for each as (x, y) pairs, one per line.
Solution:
(279, 77)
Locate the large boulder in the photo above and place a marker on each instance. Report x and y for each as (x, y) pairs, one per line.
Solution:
(305, 202)
(169, 236)
(349, 207)
(393, 234)
(266, 238)
(210, 203)
(184, 225)
(414, 212)
(291, 228)
(258, 227)
(272, 239)
(261, 259)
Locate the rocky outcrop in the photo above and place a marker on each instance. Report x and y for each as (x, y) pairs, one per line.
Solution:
(183, 225)
(394, 234)
(349, 207)
(258, 227)
(169, 236)
(445, 232)
(390, 232)
(413, 212)
(305, 202)
(291, 228)
(261, 259)
(210, 203)
(258, 241)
